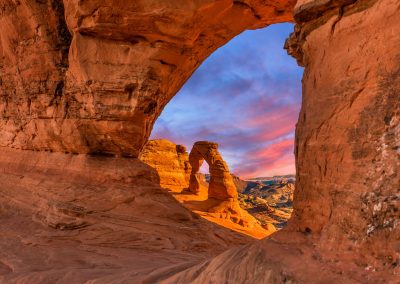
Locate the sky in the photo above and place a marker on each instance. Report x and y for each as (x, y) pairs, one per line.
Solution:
(246, 97)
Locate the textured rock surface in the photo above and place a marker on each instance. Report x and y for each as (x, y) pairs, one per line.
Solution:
(348, 194)
(95, 80)
(346, 204)
(270, 202)
(75, 219)
(171, 162)
(221, 189)
(125, 62)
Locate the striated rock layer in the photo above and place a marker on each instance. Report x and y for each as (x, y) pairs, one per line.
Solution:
(75, 219)
(95, 80)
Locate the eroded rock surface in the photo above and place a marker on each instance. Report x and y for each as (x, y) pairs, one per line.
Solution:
(171, 162)
(75, 219)
(95, 78)
(222, 191)
(350, 116)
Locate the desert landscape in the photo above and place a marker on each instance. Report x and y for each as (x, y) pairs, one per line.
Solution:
(88, 196)
(251, 208)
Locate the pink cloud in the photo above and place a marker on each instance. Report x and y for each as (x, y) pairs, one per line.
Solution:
(277, 158)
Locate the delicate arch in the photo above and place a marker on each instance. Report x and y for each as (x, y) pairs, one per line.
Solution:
(221, 183)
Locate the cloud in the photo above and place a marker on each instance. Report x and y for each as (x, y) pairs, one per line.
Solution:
(271, 159)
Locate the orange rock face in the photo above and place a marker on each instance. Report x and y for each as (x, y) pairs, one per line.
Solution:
(170, 161)
(94, 80)
(222, 193)
(346, 203)
(216, 200)
(350, 116)
(78, 219)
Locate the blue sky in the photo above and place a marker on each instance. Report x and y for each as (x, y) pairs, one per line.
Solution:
(246, 96)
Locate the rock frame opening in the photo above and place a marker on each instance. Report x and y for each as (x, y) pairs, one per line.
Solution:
(346, 217)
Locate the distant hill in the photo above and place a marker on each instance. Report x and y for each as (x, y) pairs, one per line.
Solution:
(290, 176)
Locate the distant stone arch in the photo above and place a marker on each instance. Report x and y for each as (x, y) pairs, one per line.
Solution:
(221, 182)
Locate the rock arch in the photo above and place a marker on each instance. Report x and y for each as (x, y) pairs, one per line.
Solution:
(221, 184)
(222, 196)
(127, 59)
(108, 70)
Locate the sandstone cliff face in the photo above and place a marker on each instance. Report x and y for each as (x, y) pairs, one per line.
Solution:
(171, 162)
(350, 116)
(95, 80)
(346, 219)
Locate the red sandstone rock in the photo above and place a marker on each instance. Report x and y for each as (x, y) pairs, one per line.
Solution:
(76, 219)
(99, 88)
(170, 161)
(96, 79)
(221, 190)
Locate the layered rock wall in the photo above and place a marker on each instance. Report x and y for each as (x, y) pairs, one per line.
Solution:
(94, 80)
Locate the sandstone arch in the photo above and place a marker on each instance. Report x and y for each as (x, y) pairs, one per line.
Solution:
(221, 185)
(222, 195)
(109, 68)
(127, 60)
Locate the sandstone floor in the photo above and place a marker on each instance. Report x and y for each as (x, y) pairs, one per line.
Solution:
(72, 219)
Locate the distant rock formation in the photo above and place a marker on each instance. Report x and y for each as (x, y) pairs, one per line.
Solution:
(170, 161)
(214, 196)
(270, 201)
(221, 183)
(240, 184)
(222, 192)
